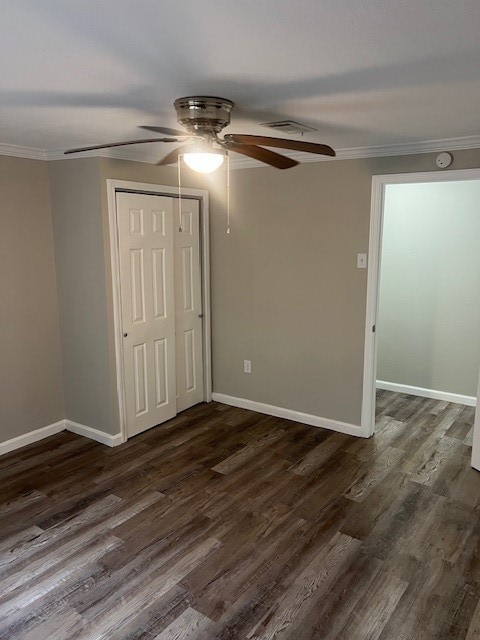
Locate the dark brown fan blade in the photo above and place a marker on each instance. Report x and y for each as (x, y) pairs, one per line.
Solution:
(119, 144)
(167, 132)
(264, 155)
(282, 143)
(172, 157)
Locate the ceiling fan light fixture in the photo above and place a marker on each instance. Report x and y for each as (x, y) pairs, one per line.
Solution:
(203, 118)
(204, 162)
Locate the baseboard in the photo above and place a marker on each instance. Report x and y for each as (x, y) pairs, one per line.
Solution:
(471, 401)
(94, 434)
(57, 427)
(31, 437)
(289, 414)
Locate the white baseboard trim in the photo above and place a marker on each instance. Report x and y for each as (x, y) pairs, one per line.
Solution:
(94, 434)
(57, 427)
(290, 414)
(471, 401)
(31, 437)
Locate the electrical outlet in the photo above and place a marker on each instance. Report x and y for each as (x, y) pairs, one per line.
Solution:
(247, 366)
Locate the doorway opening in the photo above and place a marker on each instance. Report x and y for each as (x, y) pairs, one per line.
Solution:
(422, 348)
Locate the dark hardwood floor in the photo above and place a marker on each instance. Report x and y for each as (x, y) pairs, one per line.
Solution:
(224, 523)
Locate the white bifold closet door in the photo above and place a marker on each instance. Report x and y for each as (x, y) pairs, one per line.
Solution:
(160, 286)
(188, 306)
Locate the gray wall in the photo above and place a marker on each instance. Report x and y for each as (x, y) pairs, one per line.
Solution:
(286, 291)
(30, 363)
(429, 307)
(79, 256)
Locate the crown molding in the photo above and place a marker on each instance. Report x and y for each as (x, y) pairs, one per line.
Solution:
(409, 148)
(22, 152)
(354, 153)
(116, 154)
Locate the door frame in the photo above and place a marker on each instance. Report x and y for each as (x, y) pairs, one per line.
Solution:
(379, 183)
(113, 187)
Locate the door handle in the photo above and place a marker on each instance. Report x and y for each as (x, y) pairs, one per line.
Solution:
(200, 315)
(125, 335)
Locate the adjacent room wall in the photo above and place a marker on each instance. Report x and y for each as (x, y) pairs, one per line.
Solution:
(429, 306)
(31, 368)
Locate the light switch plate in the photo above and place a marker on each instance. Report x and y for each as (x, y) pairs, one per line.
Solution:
(247, 366)
(361, 260)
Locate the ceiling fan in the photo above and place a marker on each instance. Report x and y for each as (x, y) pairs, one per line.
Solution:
(202, 150)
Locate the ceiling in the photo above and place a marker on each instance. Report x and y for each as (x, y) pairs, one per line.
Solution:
(365, 73)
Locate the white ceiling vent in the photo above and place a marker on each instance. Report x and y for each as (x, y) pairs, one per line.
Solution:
(288, 126)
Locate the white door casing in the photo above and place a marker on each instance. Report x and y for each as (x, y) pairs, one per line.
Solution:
(146, 261)
(114, 187)
(188, 305)
(476, 434)
(379, 183)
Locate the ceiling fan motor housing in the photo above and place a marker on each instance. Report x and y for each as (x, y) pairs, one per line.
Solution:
(203, 114)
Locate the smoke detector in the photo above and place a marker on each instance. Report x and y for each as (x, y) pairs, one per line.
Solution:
(288, 126)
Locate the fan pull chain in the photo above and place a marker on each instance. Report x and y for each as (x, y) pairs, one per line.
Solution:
(228, 193)
(180, 220)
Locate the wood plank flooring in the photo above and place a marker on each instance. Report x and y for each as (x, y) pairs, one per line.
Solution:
(224, 523)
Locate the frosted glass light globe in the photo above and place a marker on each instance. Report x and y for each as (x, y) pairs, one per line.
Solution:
(203, 162)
